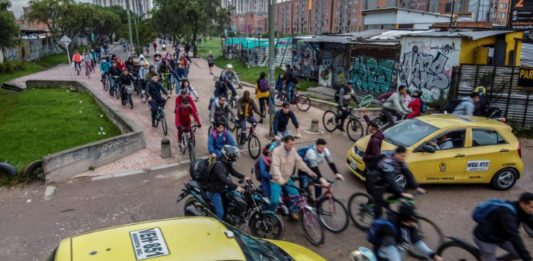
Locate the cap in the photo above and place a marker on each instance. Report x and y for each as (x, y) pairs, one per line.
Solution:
(229, 66)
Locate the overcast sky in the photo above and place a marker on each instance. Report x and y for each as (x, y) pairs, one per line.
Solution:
(16, 5)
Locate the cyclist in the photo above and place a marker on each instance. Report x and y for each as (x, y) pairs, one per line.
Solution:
(184, 95)
(126, 82)
(129, 64)
(218, 138)
(76, 59)
(382, 179)
(394, 107)
(105, 66)
(231, 75)
(154, 44)
(313, 156)
(285, 160)
(87, 59)
(262, 93)
(501, 229)
(210, 62)
(185, 84)
(341, 97)
(219, 110)
(222, 86)
(143, 71)
(182, 67)
(373, 149)
(121, 64)
(290, 82)
(245, 111)
(183, 112)
(115, 73)
(281, 120)
(154, 90)
(392, 237)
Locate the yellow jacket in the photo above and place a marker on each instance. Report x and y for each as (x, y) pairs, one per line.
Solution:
(259, 94)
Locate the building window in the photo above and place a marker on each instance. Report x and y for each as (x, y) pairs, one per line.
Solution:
(503, 6)
(502, 15)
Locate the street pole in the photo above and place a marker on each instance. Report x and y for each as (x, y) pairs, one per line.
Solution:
(271, 60)
(451, 17)
(129, 21)
(137, 22)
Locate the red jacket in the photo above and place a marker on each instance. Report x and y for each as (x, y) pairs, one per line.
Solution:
(414, 105)
(181, 114)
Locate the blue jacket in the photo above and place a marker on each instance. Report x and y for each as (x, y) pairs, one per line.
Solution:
(105, 66)
(264, 173)
(466, 107)
(214, 145)
(281, 120)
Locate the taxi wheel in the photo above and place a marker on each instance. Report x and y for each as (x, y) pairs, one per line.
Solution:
(504, 179)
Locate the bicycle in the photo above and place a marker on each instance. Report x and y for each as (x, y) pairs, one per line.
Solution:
(105, 82)
(361, 210)
(114, 88)
(458, 249)
(160, 117)
(331, 212)
(188, 142)
(303, 102)
(309, 219)
(354, 127)
(127, 91)
(254, 144)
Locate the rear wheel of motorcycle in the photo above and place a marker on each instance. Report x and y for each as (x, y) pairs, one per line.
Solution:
(266, 225)
(200, 209)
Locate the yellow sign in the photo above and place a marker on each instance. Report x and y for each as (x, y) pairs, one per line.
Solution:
(525, 79)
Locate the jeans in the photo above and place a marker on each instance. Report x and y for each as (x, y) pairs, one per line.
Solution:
(243, 120)
(391, 251)
(154, 104)
(181, 73)
(216, 200)
(290, 91)
(342, 114)
(305, 181)
(263, 105)
(275, 194)
(284, 133)
(488, 250)
(265, 186)
(390, 115)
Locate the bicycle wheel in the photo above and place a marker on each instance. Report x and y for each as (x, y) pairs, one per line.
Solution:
(328, 120)
(266, 225)
(430, 233)
(117, 93)
(314, 230)
(254, 146)
(105, 84)
(303, 102)
(280, 99)
(190, 148)
(333, 214)
(231, 124)
(183, 146)
(453, 250)
(164, 126)
(354, 129)
(361, 209)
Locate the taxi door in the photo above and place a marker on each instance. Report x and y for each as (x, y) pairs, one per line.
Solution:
(441, 166)
(487, 151)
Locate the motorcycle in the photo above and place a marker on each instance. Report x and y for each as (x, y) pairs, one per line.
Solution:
(251, 207)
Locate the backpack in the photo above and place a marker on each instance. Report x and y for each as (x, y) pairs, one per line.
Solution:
(201, 169)
(451, 105)
(225, 135)
(373, 236)
(303, 151)
(263, 85)
(485, 208)
(256, 167)
(423, 106)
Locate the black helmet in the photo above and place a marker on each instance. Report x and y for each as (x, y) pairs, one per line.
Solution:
(229, 154)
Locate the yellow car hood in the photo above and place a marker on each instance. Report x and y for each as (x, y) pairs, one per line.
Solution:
(184, 238)
(299, 253)
(363, 142)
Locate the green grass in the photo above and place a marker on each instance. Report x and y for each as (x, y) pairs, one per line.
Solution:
(210, 45)
(38, 122)
(35, 66)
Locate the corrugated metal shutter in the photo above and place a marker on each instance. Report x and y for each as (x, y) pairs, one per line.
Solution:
(526, 59)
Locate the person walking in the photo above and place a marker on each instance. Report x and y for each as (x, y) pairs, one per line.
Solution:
(210, 62)
(262, 93)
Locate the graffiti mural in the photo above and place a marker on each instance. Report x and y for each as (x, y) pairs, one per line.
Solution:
(426, 65)
(374, 76)
(305, 60)
(324, 78)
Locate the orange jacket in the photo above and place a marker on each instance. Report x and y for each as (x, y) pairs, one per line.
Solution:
(76, 58)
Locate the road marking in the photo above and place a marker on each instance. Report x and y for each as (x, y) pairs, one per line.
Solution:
(49, 192)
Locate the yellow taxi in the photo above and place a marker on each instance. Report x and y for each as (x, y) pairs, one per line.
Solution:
(450, 149)
(191, 238)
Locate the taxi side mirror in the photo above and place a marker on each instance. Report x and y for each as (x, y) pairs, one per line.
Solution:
(426, 148)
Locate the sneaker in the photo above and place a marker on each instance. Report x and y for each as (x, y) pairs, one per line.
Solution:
(294, 216)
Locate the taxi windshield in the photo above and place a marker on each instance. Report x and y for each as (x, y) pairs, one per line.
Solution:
(408, 132)
(257, 249)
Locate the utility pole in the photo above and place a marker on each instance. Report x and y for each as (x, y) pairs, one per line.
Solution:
(451, 17)
(271, 60)
(137, 21)
(129, 21)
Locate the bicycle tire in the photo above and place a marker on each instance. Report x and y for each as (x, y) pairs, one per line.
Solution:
(309, 221)
(117, 93)
(328, 120)
(130, 101)
(182, 147)
(361, 210)
(324, 212)
(433, 242)
(254, 146)
(164, 126)
(303, 103)
(264, 225)
(105, 84)
(231, 124)
(280, 99)
(7, 170)
(447, 248)
(354, 129)
(190, 148)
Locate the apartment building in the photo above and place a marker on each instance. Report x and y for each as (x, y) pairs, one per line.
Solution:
(139, 7)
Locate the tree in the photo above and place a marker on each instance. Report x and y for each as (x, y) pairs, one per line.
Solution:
(9, 29)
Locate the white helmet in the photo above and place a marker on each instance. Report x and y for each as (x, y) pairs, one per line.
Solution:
(362, 254)
(229, 66)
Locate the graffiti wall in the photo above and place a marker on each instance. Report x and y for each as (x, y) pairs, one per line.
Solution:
(374, 69)
(426, 64)
(305, 59)
(332, 70)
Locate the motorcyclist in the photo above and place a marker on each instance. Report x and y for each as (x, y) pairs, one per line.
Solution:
(383, 179)
(219, 181)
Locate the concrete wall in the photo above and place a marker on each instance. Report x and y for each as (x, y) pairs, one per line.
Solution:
(65, 164)
(426, 64)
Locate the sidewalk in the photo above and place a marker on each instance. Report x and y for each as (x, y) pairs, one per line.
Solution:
(149, 158)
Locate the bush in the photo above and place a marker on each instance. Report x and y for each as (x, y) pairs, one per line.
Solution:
(8, 67)
(12, 66)
(1, 68)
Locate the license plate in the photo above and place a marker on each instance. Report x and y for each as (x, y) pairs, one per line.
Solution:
(148, 243)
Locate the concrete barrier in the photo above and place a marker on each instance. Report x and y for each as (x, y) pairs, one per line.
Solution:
(65, 164)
